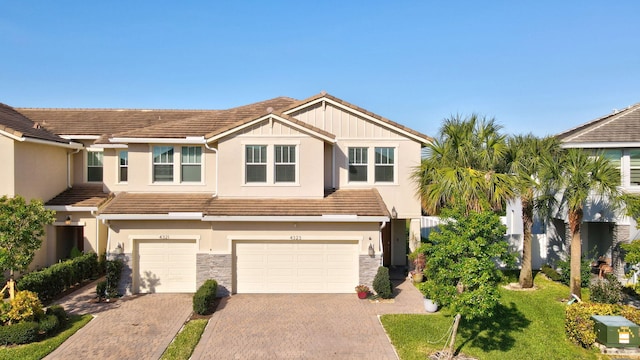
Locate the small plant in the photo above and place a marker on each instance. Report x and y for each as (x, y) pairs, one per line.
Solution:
(420, 262)
(382, 283)
(362, 289)
(114, 270)
(607, 290)
(25, 306)
(550, 272)
(565, 272)
(101, 288)
(204, 297)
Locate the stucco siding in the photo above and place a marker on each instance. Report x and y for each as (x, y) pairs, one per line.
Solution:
(7, 170)
(40, 170)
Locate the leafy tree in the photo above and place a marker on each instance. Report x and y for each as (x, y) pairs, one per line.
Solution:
(574, 179)
(467, 166)
(461, 263)
(21, 230)
(527, 156)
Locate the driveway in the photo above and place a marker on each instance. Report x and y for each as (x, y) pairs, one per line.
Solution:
(302, 326)
(135, 327)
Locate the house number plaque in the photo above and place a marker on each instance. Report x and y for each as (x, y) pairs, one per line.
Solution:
(164, 237)
(295, 237)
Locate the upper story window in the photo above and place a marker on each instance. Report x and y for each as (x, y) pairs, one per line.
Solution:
(163, 163)
(285, 163)
(191, 165)
(358, 161)
(634, 166)
(123, 166)
(256, 163)
(384, 164)
(94, 166)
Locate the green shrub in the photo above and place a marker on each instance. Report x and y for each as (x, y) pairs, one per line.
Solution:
(101, 288)
(607, 290)
(75, 252)
(204, 297)
(49, 323)
(114, 271)
(53, 280)
(25, 306)
(382, 283)
(550, 272)
(565, 272)
(59, 312)
(4, 312)
(20, 333)
(579, 326)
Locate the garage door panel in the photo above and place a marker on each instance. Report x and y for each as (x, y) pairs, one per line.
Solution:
(166, 266)
(305, 267)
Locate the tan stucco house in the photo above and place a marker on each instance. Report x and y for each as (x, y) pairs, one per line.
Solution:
(282, 196)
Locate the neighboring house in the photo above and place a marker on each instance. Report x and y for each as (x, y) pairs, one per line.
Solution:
(277, 196)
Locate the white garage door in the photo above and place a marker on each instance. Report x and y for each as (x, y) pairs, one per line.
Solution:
(296, 267)
(166, 266)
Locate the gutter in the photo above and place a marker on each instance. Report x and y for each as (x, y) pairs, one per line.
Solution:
(321, 218)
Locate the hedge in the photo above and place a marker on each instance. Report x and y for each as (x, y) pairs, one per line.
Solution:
(55, 279)
(580, 327)
(204, 297)
(20, 333)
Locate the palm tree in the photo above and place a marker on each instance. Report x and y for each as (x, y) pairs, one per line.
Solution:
(526, 156)
(576, 178)
(467, 166)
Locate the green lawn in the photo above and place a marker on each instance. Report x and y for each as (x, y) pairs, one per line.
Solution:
(40, 349)
(528, 325)
(186, 341)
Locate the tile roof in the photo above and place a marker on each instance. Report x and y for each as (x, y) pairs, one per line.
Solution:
(426, 138)
(13, 122)
(340, 202)
(82, 195)
(621, 126)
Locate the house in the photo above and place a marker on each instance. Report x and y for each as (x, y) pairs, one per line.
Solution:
(617, 137)
(283, 195)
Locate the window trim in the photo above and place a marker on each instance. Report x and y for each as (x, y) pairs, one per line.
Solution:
(200, 164)
(153, 164)
(264, 163)
(93, 166)
(392, 164)
(121, 166)
(293, 163)
(364, 150)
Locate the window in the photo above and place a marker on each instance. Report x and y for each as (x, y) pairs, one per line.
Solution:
(94, 166)
(191, 163)
(358, 164)
(256, 163)
(285, 165)
(162, 163)
(634, 166)
(123, 166)
(384, 164)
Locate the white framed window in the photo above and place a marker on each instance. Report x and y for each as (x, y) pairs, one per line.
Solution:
(123, 166)
(285, 163)
(358, 164)
(191, 164)
(384, 164)
(634, 167)
(94, 166)
(255, 163)
(163, 163)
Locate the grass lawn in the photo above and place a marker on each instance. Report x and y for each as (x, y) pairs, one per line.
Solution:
(40, 349)
(186, 341)
(529, 325)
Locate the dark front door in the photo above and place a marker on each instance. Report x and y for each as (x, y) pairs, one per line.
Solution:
(386, 245)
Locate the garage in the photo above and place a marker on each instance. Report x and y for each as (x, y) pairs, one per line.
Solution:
(165, 266)
(296, 266)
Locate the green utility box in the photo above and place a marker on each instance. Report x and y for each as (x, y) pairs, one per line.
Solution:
(616, 331)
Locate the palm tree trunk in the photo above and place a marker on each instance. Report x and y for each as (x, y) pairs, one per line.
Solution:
(575, 218)
(526, 274)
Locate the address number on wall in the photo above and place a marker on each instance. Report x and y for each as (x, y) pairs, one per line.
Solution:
(295, 237)
(164, 237)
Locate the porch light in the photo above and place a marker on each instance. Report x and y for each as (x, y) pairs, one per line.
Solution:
(67, 220)
(394, 213)
(118, 250)
(372, 252)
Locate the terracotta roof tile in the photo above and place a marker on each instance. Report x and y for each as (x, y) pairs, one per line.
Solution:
(15, 123)
(621, 126)
(341, 202)
(85, 195)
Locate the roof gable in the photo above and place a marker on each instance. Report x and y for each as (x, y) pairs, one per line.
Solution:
(619, 127)
(16, 124)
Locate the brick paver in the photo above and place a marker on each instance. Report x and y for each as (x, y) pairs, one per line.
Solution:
(139, 327)
(303, 326)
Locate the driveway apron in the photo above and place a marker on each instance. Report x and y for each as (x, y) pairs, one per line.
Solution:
(137, 327)
(302, 326)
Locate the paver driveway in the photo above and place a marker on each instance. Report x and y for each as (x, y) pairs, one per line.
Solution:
(139, 327)
(302, 326)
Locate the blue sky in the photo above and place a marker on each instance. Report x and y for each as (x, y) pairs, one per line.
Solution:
(540, 66)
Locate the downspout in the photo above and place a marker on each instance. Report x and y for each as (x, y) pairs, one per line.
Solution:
(206, 145)
(69, 166)
(382, 226)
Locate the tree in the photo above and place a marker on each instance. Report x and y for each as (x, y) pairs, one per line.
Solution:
(527, 156)
(461, 263)
(574, 179)
(467, 166)
(21, 230)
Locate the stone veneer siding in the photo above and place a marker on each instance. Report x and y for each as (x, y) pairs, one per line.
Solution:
(368, 269)
(215, 266)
